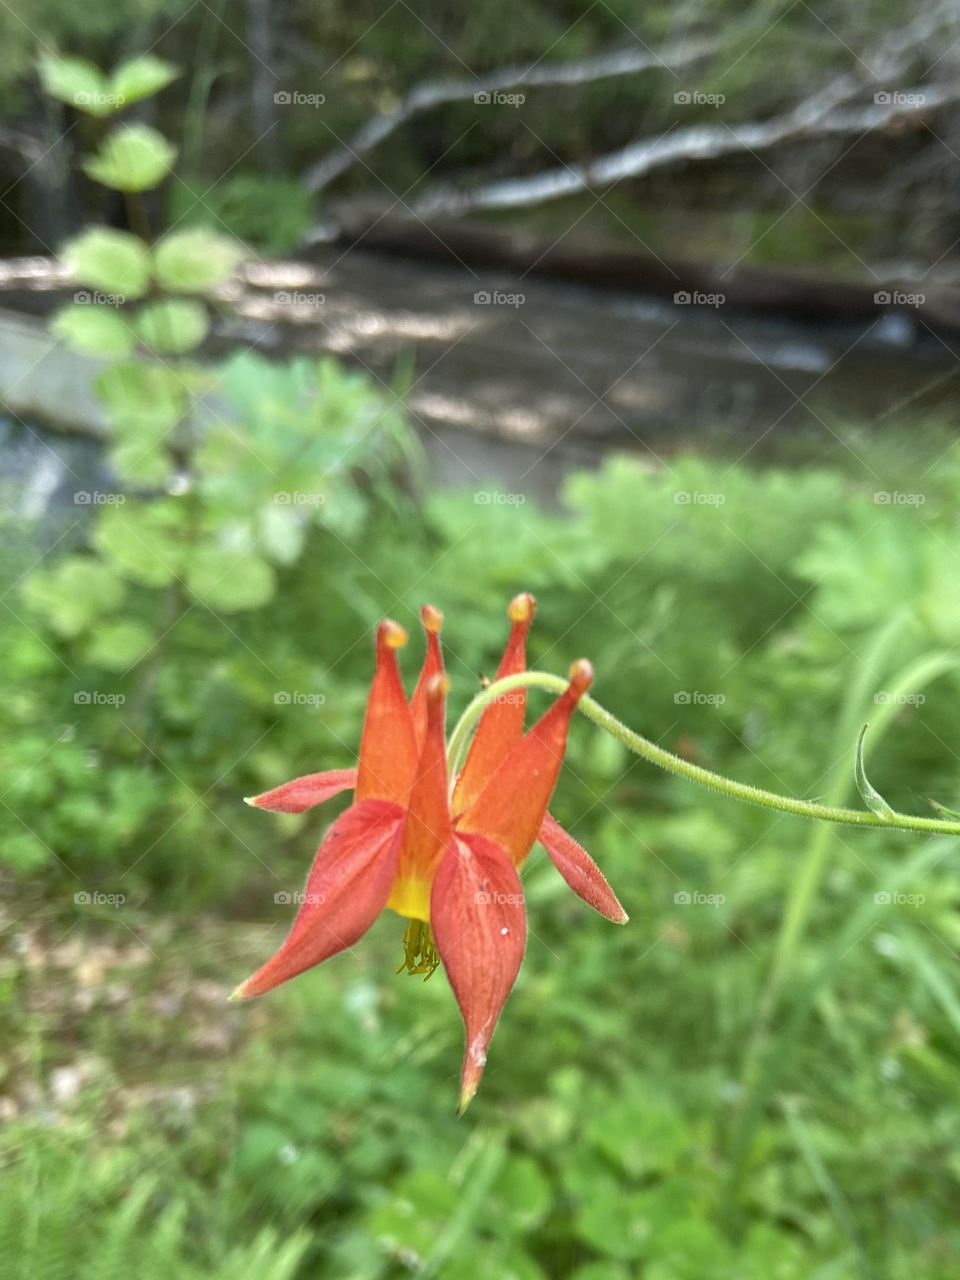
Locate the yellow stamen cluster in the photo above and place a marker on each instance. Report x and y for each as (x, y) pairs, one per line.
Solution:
(419, 949)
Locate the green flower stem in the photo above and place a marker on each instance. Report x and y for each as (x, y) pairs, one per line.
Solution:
(648, 750)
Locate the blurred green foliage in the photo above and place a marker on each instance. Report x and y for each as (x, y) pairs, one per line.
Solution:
(613, 1133)
(755, 1080)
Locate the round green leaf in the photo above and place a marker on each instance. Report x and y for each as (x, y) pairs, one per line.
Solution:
(143, 543)
(195, 260)
(225, 580)
(114, 261)
(75, 593)
(143, 400)
(77, 82)
(119, 645)
(172, 327)
(93, 330)
(139, 78)
(133, 158)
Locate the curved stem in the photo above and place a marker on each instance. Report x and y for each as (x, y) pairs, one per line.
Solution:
(648, 750)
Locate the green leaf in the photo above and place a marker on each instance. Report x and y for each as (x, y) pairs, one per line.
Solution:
(144, 544)
(114, 261)
(868, 793)
(74, 594)
(119, 645)
(133, 158)
(142, 464)
(76, 81)
(141, 77)
(93, 330)
(143, 401)
(225, 580)
(172, 327)
(195, 260)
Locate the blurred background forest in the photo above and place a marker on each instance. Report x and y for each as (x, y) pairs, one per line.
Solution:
(310, 313)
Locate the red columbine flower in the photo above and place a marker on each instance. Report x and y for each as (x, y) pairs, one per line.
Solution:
(449, 867)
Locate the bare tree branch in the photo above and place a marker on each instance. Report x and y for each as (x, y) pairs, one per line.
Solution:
(434, 93)
(700, 142)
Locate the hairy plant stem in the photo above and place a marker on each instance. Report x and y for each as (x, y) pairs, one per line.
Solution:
(648, 750)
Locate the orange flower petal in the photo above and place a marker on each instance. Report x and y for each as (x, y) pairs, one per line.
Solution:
(388, 749)
(579, 870)
(511, 807)
(432, 620)
(347, 888)
(501, 725)
(303, 793)
(480, 928)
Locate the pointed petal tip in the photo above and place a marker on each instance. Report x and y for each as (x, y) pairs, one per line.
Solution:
(581, 676)
(468, 1091)
(238, 993)
(391, 635)
(432, 618)
(251, 801)
(522, 607)
(437, 688)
